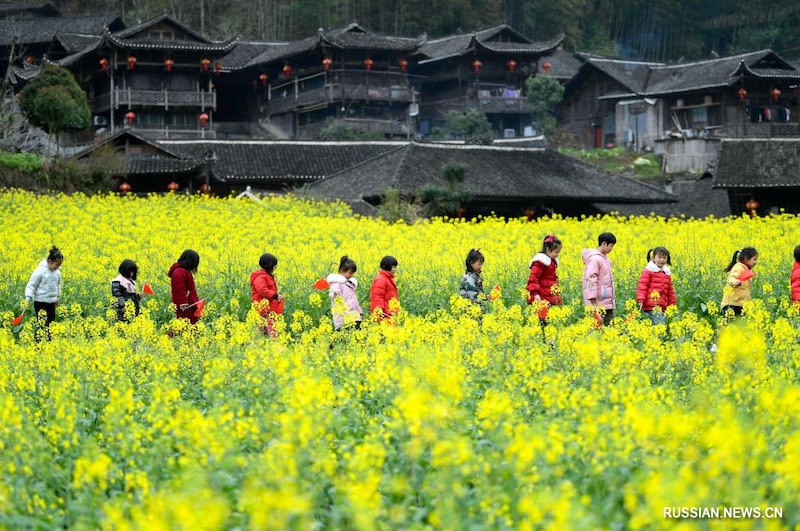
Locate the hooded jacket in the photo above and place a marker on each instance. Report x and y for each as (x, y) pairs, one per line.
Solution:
(658, 280)
(124, 289)
(736, 293)
(346, 290)
(543, 279)
(795, 282)
(598, 280)
(264, 288)
(183, 292)
(383, 290)
(44, 284)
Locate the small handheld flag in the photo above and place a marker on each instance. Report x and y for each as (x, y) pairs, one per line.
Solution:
(321, 284)
(18, 319)
(147, 290)
(201, 304)
(747, 275)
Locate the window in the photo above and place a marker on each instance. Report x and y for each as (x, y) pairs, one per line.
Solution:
(182, 120)
(700, 115)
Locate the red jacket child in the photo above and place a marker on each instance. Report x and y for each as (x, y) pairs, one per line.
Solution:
(382, 291)
(796, 282)
(544, 279)
(264, 288)
(183, 292)
(655, 279)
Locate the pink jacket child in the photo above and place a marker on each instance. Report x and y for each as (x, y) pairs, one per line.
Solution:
(343, 285)
(598, 279)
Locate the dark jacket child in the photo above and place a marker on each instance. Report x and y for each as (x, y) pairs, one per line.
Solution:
(472, 281)
(123, 288)
(184, 294)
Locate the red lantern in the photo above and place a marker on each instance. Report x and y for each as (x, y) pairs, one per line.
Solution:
(30, 59)
(742, 94)
(131, 62)
(403, 65)
(368, 64)
(326, 64)
(512, 65)
(206, 64)
(205, 188)
(173, 186)
(264, 78)
(103, 64)
(476, 66)
(287, 70)
(217, 67)
(168, 64)
(546, 66)
(124, 188)
(203, 120)
(130, 117)
(776, 94)
(752, 205)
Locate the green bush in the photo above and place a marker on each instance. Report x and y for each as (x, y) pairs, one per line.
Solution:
(24, 162)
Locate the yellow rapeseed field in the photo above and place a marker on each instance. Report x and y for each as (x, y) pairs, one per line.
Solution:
(451, 418)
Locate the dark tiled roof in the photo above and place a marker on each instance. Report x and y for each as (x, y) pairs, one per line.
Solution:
(696, 199)
(279, 160)
(245, 51)
(75, 42)
(488, 39)
(630, 74)
(40, 8)
(757, 163)
(42, 30)
(157, 44)
(282, 51)
(563, 64)
(25, 73)
(133, 30)
(354, 36)
(157, 163)
(494, 173)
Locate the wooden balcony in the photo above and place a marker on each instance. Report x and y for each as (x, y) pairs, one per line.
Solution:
(318, 90)
(487, 104)
(124, 97)
(390, 128)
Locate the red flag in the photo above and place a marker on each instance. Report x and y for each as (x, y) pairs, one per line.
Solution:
(18, 319)
(147, 290)
(598, 321)
(321, 284)
(201, 304)
(747, 275)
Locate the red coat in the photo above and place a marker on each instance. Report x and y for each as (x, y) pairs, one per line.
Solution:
(795, 283)
(659, 280)
(543, 279)
(183, 292)
(382, 291)
(264, 288)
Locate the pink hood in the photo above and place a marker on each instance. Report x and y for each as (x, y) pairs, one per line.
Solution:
(598, 279)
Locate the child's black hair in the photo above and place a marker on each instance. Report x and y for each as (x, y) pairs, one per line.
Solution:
(550, 243)
(797, 254)
(128, 269)
(388, 262)
(267, 262)
(606, 237)
(189, 260)
(54, 255)
(473, 256)
(740, 256)
(659, 250)
(346, 264)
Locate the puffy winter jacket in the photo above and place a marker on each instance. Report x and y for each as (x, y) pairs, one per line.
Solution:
(183, 292)
(44, 284)
(382, 291)
(346, 290)
(124, 289)
(543, 280)
(471, 286)
(598, 280)
(795, 282)
(735, 293)
(264, 288)
(658, 280)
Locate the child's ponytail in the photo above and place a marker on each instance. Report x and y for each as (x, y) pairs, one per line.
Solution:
(346, 264)
(54, 255)
(550, 243)
(734, 259)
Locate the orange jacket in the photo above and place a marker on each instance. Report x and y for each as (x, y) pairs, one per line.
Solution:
(382, 291)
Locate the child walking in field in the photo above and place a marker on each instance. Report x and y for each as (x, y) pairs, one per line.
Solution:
(795, 278)
(184, 293)
(655, 285)
(384, 290)
(123, 288)
(344, 300)
(264, 291)
(472, 282)
(44, 288)
(543, 280)
(740, 272)
(598, 278)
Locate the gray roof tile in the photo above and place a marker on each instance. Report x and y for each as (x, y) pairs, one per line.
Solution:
(758, 163)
